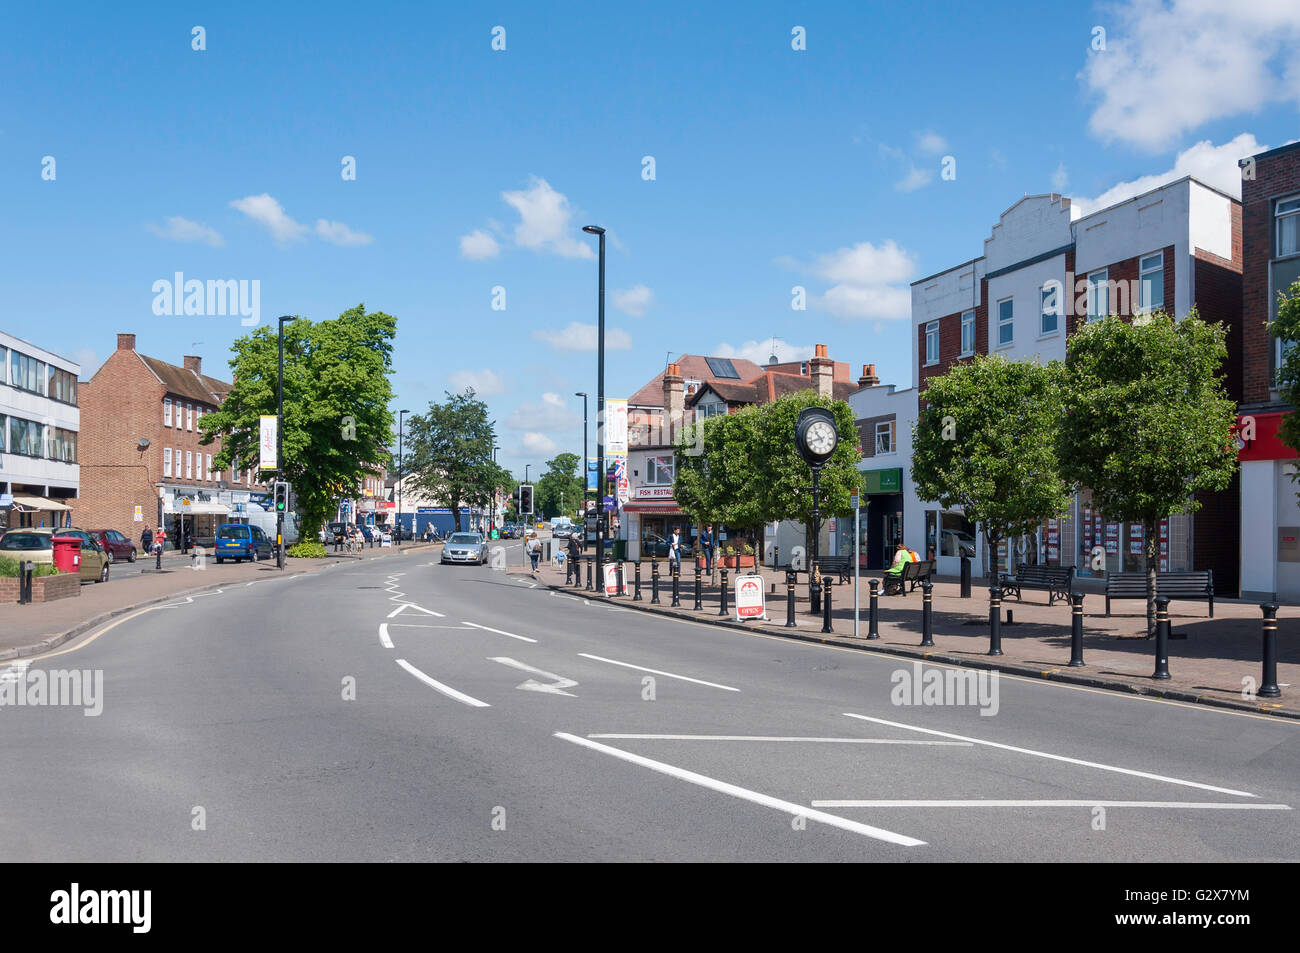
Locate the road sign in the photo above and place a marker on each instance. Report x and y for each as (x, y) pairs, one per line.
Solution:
(749, 597)
(139, 515)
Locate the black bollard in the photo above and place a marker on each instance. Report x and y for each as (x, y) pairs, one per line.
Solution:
(723, 593)
(25, 570)
(965, 577)
(699, 604)
(636, 585)
(589, 585)
(1162, 638)
(654, 583)
(790, 578)
(927, 610)
(826, 607)
(157, 552)
(1076, 629)
(676, 569)
(1270, 689)
(873, 631)
(618, 579)
(995, 620)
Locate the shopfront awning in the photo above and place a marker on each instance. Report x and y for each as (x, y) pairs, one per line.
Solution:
(647, 506)
(31, 504)
(203, 509)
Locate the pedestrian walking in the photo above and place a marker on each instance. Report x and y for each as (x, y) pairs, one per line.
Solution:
(707, 544)
(575, 553)
(675, 549)
(534, 551)
(146, 540)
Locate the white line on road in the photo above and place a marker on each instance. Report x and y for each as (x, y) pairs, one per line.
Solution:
(1189, 805)
(384, 640)
(831, 741)
(745, 794)
(1058, 757)
(445, 689)
(557, 686)
(655, 671)
(488, 628)
(411, 605)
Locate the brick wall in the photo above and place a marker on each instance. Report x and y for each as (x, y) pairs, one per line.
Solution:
(1274, 177)
(867, 433)
(1218, 299)
(66, 585)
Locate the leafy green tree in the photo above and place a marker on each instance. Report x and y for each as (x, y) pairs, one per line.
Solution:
(336, 398)
(449, 453)
(1148, 423)
(1287, 329)
(559, 490)
(986, 442)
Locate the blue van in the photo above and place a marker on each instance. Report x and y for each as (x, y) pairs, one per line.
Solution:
(241, 541)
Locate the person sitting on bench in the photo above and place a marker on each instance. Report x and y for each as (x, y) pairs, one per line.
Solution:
(902, 557)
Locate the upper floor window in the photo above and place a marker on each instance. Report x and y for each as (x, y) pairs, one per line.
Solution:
(1006, 317)
(932, 343)
(189, 416)
(968, 334)
(709, 410)
(26, 437)
(1098, 295)
(885, 437)
(1288, 226)
(63, 445)
(63, 385)
(1151, 282)
(659, 470)
(167, 461)
(167, 411)
(803, 368)
(1051, 310)
(26, 373)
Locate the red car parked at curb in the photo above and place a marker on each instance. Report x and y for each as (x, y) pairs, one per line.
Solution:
(115, 544)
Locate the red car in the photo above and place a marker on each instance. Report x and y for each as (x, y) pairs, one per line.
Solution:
(115, 544)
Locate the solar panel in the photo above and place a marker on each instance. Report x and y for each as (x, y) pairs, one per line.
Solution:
(722, 367)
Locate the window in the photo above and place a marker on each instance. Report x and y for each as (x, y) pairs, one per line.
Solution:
(63, 385)
(659, 470)
(1151, 284)
(26, 373)
(26, 437)
(198, 418)
(189, 416)
(1005, 326)
(803, 368)
(885, 437)
(1051, 307)
(167, 412)
(1098, 295)
(189, 464)
(968, 333)
(1288, 226)
(167, 461)
(63, 445)
(932, 343)
(209, 469)
(4, 426)
(709, 410)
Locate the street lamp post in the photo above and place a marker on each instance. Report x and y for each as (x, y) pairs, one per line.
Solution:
(279, 442)
(600, 410)
(401, 477)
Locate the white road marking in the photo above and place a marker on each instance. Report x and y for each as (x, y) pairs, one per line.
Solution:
(445, 689)
(488, 628)
(557, 686)
(384, 640)
(833, 741)
(411, 605)
(745, 794)
(655, 671)
(1189, 805)
(1058, 757)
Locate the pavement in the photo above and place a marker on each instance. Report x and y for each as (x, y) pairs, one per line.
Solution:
(1219, 662)
(391, 709)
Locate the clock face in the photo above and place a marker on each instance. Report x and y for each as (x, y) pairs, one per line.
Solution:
(820, 437)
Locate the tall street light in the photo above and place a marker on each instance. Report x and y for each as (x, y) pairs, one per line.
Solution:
(583, 395)
(279, 443)
(401, 477)
(600, 411)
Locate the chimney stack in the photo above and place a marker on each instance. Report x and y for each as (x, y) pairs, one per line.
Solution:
(126, 342)
(194, 364)
(822, 369)
(868, 378)
(674, 401)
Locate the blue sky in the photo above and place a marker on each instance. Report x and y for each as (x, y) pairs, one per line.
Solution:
(476, 168)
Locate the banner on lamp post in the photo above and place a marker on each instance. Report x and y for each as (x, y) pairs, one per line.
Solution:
(615, 426)
(267, 443)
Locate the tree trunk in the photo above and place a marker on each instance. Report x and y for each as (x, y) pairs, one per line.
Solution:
(1151, 549)
(455, 513)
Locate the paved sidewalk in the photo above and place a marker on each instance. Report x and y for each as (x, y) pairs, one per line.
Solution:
(27, 630)
(1219, 661)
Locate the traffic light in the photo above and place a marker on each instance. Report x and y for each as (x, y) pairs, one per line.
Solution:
(281, 497)
(525, 499)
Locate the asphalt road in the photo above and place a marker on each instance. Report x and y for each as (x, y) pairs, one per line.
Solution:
(497, 722)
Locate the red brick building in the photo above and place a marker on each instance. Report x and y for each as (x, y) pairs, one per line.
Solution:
(142, 463)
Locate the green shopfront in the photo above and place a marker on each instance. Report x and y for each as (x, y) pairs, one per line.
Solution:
(882, 519)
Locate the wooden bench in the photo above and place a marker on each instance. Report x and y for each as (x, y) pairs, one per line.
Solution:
(841, 566)
(1055, 580)
(1176, 585)
(912, 575)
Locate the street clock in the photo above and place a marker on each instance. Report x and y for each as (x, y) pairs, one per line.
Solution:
(816, 436)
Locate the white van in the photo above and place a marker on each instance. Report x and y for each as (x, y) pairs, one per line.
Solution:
(561, 526)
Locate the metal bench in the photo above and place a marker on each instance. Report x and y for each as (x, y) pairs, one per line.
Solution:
(841, 566)
(1195, 585)
(1055, 580)
(909, 578)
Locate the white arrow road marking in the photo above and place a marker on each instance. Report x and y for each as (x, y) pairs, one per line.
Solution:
(1056, 757)
(411, 605)
(755, 797)
(1190, 805)
(488, 628)
(558, 682)
(445, 689)
(655, 671)
(384, 640)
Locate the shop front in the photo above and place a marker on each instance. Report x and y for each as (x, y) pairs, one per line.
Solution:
(881, 519)
(1270, 514)
(195, 514)
(18, 510)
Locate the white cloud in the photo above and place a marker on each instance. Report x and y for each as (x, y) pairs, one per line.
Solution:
(1214, 165)
(634, 300)
(478, 245)
(538, 443)
(931, 142)
(760, 351)
(270, 214)
(546, 221)
(180, 229)
(582, 337)
(869, 281)
(336, 233)
(1060, 178)
(1169, 68)
(484, 383)
(865, 263)
(877, 301)
(916, 178)
(553, 414)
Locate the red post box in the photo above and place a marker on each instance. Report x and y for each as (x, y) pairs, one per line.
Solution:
(67, 553)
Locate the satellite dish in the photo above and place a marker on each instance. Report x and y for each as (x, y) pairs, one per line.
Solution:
(143, 444)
